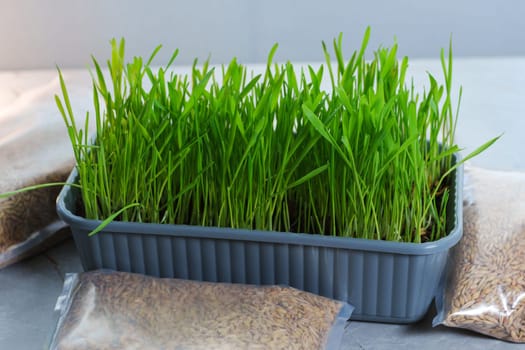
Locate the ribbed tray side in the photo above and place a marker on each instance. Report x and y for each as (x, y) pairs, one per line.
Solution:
(382, 286)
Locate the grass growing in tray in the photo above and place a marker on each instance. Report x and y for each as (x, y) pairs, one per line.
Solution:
(221, 147)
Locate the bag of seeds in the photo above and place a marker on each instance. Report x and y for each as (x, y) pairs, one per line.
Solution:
(117, 310)
(34, 150)
(485, 286)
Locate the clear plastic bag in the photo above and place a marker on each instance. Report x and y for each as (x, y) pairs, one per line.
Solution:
(34, 149)
(117, 310)
(485, 286)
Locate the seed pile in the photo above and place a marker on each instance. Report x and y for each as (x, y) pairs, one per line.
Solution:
(115, 310)
(27, 212)
(486, 291)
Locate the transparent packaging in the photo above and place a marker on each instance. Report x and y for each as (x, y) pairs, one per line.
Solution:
(485, 286)
(118, 310)
(34, 150)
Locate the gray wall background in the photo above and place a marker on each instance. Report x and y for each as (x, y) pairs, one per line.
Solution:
(42, 34)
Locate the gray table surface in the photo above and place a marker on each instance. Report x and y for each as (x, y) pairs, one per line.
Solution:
(493, 96)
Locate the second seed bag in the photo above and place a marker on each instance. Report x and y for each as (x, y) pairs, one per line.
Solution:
(485, 289)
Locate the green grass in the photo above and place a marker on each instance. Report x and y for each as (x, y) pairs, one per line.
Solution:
(221, 147)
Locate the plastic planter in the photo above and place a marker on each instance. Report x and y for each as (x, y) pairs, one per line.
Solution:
(385, 281)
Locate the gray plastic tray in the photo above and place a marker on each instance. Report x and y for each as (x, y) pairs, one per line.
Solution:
(385, 281)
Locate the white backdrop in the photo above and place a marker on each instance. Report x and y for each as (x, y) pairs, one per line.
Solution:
(41, 34)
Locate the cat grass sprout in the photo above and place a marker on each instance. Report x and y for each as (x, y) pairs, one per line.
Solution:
(221, 146)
